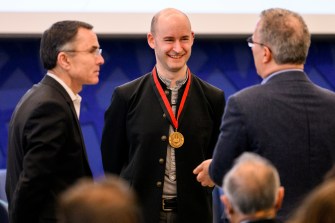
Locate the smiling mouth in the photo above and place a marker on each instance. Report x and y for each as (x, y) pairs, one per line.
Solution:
(176, 56)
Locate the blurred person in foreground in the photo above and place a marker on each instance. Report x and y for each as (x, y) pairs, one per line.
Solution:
(287, 119)
(159, 127)
(46, 151)
(108, 200)
(252, 191)
(318, 206)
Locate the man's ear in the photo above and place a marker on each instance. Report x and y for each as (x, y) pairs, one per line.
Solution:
(227, 206)
(151, 40)
(280, 197)
(267, 54)
(63, 60)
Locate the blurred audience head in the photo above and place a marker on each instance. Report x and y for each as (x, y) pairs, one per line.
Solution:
(109, 200)
(330, 175)
(318, 206)
(251, 189)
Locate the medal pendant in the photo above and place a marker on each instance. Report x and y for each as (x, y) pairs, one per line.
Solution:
(176, 140)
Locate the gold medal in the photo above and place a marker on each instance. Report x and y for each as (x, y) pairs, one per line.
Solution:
(176, 139)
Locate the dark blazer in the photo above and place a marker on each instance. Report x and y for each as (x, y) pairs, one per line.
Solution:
(288, 120)
(135, 139)
(46, 152)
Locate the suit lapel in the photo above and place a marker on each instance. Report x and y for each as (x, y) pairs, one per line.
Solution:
(159, 98)
(59, 88)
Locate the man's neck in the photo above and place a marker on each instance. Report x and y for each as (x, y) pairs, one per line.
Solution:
(66, 79)
(173, 77)
(260, 215)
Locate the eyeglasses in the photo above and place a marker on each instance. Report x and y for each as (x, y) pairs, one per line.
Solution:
(251, 43)
(95, 51)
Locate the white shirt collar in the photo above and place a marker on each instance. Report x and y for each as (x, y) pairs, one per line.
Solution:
(76, 98)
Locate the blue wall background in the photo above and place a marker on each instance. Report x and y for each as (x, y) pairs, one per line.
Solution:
(225, 62)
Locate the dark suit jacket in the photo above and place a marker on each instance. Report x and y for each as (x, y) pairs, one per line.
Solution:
(288, 120)
(46, 152)
(135, 139)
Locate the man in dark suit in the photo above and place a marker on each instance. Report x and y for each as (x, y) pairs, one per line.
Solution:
(46, 151)
(161, 125)
(252, 190)
(287, 118)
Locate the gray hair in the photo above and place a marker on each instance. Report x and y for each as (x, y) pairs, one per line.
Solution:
(252, 184)
(286, 34)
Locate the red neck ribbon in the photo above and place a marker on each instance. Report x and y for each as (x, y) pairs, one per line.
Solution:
(166, 101)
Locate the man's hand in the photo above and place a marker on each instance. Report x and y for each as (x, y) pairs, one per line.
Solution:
(202, 172)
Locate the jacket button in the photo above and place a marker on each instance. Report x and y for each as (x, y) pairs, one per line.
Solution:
(163, 138)
(158, 183)
(161, 161)
(164, 115)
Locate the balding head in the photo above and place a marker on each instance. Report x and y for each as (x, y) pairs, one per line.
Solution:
(168, 14)
(252, 184)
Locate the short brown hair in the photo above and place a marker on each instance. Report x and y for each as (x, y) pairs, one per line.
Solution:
(109, 200)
